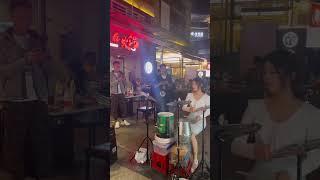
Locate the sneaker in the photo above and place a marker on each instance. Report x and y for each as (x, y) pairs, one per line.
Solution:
(117, 125)
(125, 123)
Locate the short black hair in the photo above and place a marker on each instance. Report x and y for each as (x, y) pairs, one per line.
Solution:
(162, 65)
(23, 4)
(115, 62)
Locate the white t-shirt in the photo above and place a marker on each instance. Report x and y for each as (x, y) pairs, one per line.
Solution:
(196, 128)
(118, 85)
(304, 123)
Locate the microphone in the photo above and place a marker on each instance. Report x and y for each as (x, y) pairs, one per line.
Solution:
(189, 103)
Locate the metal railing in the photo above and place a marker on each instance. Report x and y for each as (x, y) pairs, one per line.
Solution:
(130, 11)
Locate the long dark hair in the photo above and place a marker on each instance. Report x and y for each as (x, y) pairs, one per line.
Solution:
(199, 83)
(288, 66)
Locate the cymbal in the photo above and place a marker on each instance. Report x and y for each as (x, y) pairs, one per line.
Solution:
(297, 149)
(175, 103)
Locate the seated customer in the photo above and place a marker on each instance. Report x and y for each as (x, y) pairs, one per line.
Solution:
(198, 100)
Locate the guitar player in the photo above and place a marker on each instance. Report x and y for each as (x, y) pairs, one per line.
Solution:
(199, 100)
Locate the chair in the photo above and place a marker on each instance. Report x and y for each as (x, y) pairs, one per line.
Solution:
(151, 107)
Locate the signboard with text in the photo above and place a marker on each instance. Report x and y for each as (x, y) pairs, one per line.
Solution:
(129, 42)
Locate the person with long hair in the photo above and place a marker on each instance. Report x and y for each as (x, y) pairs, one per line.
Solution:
(285, 119)
(199, 100)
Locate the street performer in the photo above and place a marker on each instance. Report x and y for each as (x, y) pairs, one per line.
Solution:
(198, 100)
(164, 89)
(285, 120)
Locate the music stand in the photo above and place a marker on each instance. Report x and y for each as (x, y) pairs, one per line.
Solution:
(147, 138)
(203, 164)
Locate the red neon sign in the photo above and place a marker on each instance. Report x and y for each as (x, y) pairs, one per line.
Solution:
(129, 42)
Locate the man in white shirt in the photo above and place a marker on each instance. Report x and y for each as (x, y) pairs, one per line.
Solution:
(117, 90)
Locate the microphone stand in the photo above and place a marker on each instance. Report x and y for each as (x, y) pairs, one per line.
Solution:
(178, 165)
(203, 164)
(147, 138)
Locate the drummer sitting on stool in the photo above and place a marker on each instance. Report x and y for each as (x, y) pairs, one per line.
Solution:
(198, 100)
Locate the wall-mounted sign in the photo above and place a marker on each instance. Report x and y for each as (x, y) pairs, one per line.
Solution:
(293, 39)
(129, 42)
(315, 14)
(197, 34)
(290, 39)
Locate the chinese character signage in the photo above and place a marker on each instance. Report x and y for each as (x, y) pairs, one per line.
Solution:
(129, 42)
(315, 14)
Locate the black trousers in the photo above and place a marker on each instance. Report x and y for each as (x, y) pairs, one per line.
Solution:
(26, 139)
(118, 106)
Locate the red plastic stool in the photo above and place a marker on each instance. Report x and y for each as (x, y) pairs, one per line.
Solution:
(160, 163)
(184, 172)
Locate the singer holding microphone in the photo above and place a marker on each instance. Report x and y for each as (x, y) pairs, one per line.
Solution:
(285, 120)
(199, 99)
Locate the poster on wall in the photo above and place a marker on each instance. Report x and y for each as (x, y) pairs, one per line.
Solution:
(315, 14)
(293, 39)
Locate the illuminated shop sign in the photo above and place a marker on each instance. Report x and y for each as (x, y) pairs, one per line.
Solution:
(129, 42)
(197, 34)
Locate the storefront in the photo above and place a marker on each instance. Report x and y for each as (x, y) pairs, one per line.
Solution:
(132, 48)
(178, 62)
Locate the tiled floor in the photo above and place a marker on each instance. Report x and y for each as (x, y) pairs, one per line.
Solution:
(128, 140)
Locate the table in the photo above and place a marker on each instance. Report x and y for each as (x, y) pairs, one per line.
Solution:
(130, 100)
(62, 125)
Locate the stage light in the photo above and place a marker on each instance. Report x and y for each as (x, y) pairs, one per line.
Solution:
(148, 67)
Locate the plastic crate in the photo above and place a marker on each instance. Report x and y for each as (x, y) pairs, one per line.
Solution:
(160, 163)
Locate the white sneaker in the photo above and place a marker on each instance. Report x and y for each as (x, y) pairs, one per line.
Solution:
(125, 123)
(117, 125)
